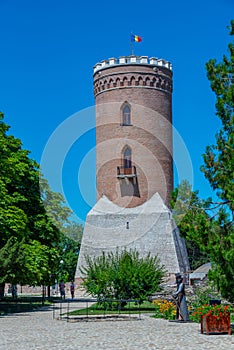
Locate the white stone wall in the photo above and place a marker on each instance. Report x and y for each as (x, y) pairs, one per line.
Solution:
(150, 229)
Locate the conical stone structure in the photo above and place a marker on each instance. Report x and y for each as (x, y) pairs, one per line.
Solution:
(148, 227)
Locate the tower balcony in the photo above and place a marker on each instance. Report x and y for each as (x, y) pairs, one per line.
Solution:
(123, 172)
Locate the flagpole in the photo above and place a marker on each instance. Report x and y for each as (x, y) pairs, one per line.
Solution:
(131, 45)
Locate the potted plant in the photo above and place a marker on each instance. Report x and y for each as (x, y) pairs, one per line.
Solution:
(214, 318)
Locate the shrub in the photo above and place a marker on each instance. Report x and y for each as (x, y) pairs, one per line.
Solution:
(122, 275)
(202, 297)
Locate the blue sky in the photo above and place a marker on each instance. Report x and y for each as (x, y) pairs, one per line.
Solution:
(49, 48)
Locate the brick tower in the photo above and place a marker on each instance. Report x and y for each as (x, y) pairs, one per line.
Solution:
(134, 162)
(133, 115)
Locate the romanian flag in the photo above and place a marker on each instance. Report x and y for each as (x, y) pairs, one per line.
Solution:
(136, 38)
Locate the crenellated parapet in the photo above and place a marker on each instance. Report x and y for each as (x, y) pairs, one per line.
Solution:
(132, 71)
(132, 60)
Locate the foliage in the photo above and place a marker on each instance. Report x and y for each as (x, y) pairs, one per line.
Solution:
(219, 158)
(122, 275)
(35, 231)
(27, 262)
(212, 310)
(189, 213)
(208, 239)
(54, 204)
(202, 296)
(69, 254)
(71, 232)
(28, 238)
(164, 309)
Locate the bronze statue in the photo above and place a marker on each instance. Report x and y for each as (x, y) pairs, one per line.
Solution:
(180, 299)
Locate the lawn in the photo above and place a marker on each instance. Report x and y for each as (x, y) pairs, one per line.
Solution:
(111, 309)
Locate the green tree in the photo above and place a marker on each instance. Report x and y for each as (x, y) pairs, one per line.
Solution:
(218, 165)
(54, 204)
(190, 213)
(71, 232)
(122, 275)
(25, 229)
(74, 231)
(70, 244)
(218, 168)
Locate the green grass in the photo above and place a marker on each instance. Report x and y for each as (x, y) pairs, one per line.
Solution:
(97, 309)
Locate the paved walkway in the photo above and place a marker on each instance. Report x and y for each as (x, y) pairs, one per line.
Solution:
(38, 330)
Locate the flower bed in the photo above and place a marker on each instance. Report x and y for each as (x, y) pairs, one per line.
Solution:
(164, 309)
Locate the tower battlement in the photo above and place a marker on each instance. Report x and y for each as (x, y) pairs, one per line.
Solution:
(132, 72)
(124, 60)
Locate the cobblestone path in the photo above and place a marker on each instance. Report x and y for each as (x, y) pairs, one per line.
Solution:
(38, 330)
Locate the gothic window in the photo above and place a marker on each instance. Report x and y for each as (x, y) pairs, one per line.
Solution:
(127, 158)
(126, 115)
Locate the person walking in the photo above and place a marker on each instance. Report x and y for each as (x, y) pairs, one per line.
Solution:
(72, 289)
(62, 289)
(14, 291)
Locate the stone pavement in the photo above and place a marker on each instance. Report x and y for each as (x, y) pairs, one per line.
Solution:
(38, 330)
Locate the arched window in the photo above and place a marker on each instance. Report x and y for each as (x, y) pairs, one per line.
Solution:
(126, 115)
(127, 158)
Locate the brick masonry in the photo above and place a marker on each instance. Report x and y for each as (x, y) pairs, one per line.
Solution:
(149, 136)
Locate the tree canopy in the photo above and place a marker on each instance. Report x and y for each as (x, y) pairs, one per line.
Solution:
(35, 231)
(71, 231)
(190, 215)
(218, 165)
(28, 238)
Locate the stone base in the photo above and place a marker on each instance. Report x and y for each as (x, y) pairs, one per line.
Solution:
(146, 228)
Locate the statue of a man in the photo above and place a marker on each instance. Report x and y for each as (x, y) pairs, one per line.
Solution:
(181, 304)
